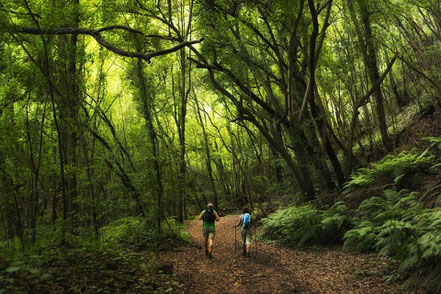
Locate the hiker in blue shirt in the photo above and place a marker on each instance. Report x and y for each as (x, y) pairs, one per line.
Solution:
(245, 230)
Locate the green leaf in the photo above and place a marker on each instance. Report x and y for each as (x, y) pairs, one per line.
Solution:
(13, 269)
(34, 271)
(364, 231)
(397, 179)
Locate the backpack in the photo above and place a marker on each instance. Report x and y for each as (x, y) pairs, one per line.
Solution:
(246, 220)
(209, 215)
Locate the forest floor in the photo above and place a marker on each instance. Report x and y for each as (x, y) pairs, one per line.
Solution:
(273, 269)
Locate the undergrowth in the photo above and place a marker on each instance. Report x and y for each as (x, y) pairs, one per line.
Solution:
(389, 169)
(301, 225)
(120, 262)
(394, 224)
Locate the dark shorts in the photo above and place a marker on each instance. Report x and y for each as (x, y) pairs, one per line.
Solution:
(209, 233)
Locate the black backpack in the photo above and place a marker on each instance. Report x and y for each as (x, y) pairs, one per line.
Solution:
(209, 215)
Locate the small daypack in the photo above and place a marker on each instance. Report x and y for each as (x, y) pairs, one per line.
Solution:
(246, 220)
(209, 215)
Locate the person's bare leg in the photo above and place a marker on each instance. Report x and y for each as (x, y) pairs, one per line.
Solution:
(210, 245)
(248, 246)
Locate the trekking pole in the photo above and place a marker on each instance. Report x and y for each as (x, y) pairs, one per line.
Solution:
(234, 241)
(255, 238)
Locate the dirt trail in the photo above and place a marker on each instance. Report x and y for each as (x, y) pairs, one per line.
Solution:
(271, 269)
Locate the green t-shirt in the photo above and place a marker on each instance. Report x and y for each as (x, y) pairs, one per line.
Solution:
(208, 225)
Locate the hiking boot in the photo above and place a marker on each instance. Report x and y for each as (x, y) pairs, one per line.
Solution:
(206, 252)
(248, 255)
(209, 255)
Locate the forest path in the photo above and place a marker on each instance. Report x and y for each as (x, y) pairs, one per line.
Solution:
(271, 269)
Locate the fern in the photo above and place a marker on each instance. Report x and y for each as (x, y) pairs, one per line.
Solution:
(335, 221)
(394, 224)
(407, 200)
(362, 237)
(409, 262)
(292, 226)
(297, 226)
(436, 140)
(393, 237)
(389, 169)
(338, 217)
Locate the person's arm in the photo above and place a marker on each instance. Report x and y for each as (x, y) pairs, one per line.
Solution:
(238, 222)
(201, 215)
(217, 216)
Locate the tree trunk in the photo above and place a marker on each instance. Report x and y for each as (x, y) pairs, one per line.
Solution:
(146, 102)
(207, 153)
(181, 133)
(372, 68)
(322, 124)
(90, 186)
(122, 174)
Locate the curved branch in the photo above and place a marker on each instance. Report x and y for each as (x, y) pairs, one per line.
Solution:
(96, 34)
(119, 27)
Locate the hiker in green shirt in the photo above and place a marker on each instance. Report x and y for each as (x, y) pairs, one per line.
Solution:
(208, 216)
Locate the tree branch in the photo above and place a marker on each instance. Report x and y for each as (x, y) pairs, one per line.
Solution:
(119, 27)
(96, 34)
(360, 103)
(364, 99)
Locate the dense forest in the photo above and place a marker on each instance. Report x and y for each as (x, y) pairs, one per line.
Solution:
(121, 119)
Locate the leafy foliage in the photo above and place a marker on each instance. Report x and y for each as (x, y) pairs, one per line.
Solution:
(120, 262)
(293, 225)
(377, 216)
(389, 169)
(397, 226)
(105, 269)
(436, 140)
(335, 222)
(394, 224)
(297, 226)
(89, 138)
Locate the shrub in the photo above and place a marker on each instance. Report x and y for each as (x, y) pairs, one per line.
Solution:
(122, 228)
(112, 265)
(396, 225)
(377, 217)
(297, 226)
(436, 140)
(336, 221)
(292, 226)
(389, 169)
(139, 234)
